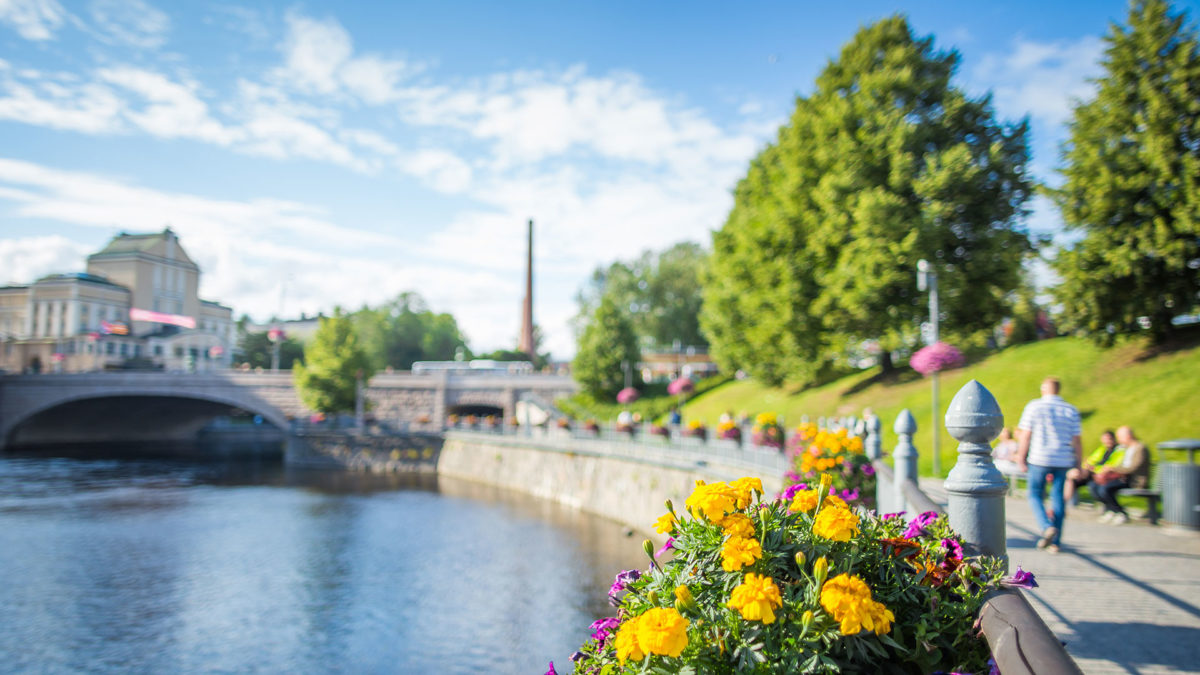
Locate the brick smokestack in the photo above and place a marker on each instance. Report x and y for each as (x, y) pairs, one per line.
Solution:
(526, 343)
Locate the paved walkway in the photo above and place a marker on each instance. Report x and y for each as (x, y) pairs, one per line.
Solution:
(1125, 599)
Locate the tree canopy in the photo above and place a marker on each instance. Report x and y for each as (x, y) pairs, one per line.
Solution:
(885, 163)
(333, 361)
(1132, 182)
(607, 341)
(256, 349)
(660, 292)
(404, 330)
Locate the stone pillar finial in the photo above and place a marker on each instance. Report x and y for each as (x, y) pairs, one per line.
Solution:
(874, 436)
(975, 488)
(905, 457)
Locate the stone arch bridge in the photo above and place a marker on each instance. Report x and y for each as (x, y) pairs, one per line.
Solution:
(97, 407)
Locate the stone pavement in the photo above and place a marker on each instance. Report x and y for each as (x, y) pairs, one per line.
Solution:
(1124, 599)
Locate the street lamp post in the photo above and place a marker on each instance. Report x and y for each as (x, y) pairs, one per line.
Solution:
(927, 280)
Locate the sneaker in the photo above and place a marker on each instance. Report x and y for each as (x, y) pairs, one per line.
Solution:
(1048, 536)
(1052, 548)
(1107, 516)
(1120, 519)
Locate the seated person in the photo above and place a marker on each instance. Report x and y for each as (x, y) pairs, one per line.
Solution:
(1005, 453)
(1107, 454)
(1132, 471)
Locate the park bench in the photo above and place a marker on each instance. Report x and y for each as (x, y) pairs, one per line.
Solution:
(1152, 497)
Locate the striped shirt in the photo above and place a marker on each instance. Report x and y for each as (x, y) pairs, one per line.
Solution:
(1053, 424)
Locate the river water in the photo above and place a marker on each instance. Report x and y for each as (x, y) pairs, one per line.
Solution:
(117, 565)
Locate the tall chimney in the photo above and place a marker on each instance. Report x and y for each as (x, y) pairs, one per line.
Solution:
(526, 343)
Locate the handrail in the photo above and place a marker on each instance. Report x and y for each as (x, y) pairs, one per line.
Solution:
(1021, 642)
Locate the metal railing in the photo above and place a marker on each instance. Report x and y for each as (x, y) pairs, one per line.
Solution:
(1020, 640)
(674, 451)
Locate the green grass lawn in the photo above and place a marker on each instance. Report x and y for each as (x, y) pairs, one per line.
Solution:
(1157, 393)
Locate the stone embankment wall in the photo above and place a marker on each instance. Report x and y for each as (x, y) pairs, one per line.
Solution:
(626, 489)
(362, 452)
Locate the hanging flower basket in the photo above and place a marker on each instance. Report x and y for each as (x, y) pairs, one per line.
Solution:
(628, 395)
(936, 357)
(679, 386)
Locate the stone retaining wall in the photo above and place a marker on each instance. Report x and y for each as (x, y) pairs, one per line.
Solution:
(626, 489)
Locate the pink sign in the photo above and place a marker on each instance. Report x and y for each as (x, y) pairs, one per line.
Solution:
(136, 314)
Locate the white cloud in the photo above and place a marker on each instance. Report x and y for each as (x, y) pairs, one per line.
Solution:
(1042, 79)
(130, 22)
(58, 101)
(319, 58)
(441, 170)
(33, 19)
(173, 110)
(26, 259)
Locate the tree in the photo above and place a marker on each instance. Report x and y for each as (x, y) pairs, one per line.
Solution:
(1132, 182)
(333, 362)
(404, 331)
(607, 341)
(660, 291)
(257, 349)
(885, 163)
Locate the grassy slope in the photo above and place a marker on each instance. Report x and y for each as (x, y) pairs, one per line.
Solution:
(1158, 395)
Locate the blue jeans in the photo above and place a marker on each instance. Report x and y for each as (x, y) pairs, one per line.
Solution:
(1037, 496)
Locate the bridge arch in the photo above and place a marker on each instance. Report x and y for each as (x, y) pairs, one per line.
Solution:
(36, 398)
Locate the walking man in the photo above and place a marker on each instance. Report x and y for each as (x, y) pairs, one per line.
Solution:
(1048, 445)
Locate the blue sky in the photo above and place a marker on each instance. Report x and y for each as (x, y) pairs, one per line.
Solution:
(320, 153)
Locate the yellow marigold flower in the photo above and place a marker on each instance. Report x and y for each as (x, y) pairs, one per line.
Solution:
(745, 488)
(756, 598)
(836, 524)
(804, 501)
(662, 631)
(665, 523)
(836, 502)
(627, 641)
(712, 501)
(739, 552)
(738, 525)
(848, 600)
(684, 596)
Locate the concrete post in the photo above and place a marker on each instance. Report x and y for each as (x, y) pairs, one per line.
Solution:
(820, 422)
(874, 444)
(905, 456)
(975, 488)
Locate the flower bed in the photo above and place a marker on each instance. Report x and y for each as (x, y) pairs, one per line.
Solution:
(660, 430)
(767, 431)
(729, 431)
(696, 429)
(796, 585)
(591, 427)
(817, 452)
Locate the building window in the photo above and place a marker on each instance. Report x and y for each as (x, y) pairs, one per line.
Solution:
(158, 350)
(179, 352)
(109, 348)
(124, 349)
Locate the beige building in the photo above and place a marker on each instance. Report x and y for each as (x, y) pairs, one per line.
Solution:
(82, 321)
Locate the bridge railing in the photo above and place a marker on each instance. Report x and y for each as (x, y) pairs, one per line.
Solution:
(1020, 641)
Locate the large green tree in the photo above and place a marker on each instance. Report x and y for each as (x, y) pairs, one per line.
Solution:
(1132, 188)
(333, 361)
(885, 163)
(607, 341)
(405, 330)
(659, 290)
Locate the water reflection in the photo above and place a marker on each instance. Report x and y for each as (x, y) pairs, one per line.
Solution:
(121, 565)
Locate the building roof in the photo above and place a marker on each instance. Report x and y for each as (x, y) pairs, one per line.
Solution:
(81, 276)
(152, 243)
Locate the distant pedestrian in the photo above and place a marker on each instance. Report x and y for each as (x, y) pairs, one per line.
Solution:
(1048, 445)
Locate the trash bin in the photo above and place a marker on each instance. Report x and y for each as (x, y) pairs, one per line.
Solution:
(1180, 485)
